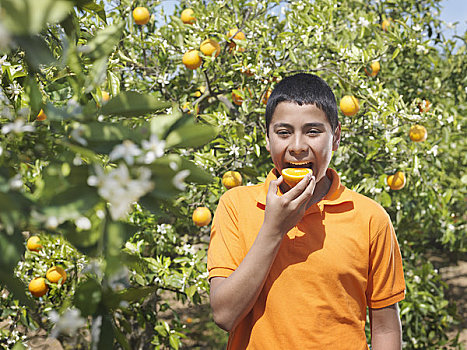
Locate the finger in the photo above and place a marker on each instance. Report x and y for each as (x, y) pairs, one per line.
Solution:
(273, 185)
(296, 191)
(305, 196)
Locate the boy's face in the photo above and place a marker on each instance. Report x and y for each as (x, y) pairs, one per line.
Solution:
(301, 136)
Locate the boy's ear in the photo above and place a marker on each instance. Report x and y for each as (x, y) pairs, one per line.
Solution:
(337, 137)
(267, 144)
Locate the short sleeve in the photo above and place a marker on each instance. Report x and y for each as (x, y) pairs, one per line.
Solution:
(386, 284)
(225, 248)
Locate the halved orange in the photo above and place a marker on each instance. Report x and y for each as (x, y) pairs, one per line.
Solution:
(293, 176)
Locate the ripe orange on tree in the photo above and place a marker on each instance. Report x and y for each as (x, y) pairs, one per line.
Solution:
(292, 176)
(38, 287)
(187, 16)
(209, 46)
(202, 216)
(232, 179)
(424, 106)
(200, 91)
(349, 105)
(33, 244)
(41, 116)
(141, 15)
(374, 69)
(396, 181)
(418, 133)
(266, 96)
(238, 99)
(105, 96)
(191, 59)
(385, 24)
(234, 33)
(55, 273)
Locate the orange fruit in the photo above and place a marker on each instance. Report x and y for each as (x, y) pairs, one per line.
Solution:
(418, 133)
(231, 179)
(191, 59)
(349, 105)
(424, 106)
(396, 181)
(187, 16)
(237, 99)
(55, 273)
(33, 244)
(41, 116)
(293, 176)
(200, 91)
(189, 320)
(141, 15)
(374, 69)
(266, 96)
(38, 287)
(202, 216)
(105, 96)
(385, 24)
(209, 46)
(237, 36)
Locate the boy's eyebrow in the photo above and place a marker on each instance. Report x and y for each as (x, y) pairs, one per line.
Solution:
(307, 125)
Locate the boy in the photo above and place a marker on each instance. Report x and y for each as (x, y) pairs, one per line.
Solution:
(296, 268)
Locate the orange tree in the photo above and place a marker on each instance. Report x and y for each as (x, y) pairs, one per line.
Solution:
(120, 178)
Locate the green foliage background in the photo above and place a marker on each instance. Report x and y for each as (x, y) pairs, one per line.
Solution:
(58, 176)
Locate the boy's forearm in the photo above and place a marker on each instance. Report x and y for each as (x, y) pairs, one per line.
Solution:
(233, 297)
(386, 329)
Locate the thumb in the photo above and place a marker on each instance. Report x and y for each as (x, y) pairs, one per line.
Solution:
(273, 185)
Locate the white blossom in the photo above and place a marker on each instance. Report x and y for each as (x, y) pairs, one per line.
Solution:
(234, 150)
(18, 127)
(83, 223)
(5, 37)
(179, 179)
(77, 135)
(154, 149)
(67, 323)
(126, 150)
(16, 182)
(363, 21)
(51, 222)
(119, 189)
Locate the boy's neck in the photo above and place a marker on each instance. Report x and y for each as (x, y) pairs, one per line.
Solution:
(321, 190)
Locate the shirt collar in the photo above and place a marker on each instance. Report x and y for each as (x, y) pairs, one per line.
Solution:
(337, 193)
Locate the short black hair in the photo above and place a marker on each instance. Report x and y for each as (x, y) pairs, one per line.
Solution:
(304, 89)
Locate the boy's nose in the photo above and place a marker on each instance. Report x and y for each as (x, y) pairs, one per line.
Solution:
(297, 147)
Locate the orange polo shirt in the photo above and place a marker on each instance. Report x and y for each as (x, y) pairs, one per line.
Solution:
(342, 257)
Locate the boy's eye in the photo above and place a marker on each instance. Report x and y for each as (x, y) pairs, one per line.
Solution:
(283, 132)
(313, 131)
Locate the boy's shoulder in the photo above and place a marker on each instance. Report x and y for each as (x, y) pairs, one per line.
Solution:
(367, 207)
(243, 194)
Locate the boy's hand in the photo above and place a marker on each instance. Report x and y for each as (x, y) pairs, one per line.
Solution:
(284, 212)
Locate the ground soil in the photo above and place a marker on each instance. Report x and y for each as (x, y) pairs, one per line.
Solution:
(456, 278)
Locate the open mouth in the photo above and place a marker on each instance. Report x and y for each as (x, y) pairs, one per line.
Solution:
(300, 165)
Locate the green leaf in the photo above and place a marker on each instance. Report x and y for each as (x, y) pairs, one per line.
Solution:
(36, 49)
(191, 135)
(174, 341)
(87, 296)
(135, 294)
(72, 203)
(132, 103)
(30, 16)
(106, 336)
(11, 250)
(396, 53)
(91, 7)
(15, 286)
(104, 42)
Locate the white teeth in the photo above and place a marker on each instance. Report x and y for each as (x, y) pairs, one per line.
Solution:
(299, 163)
